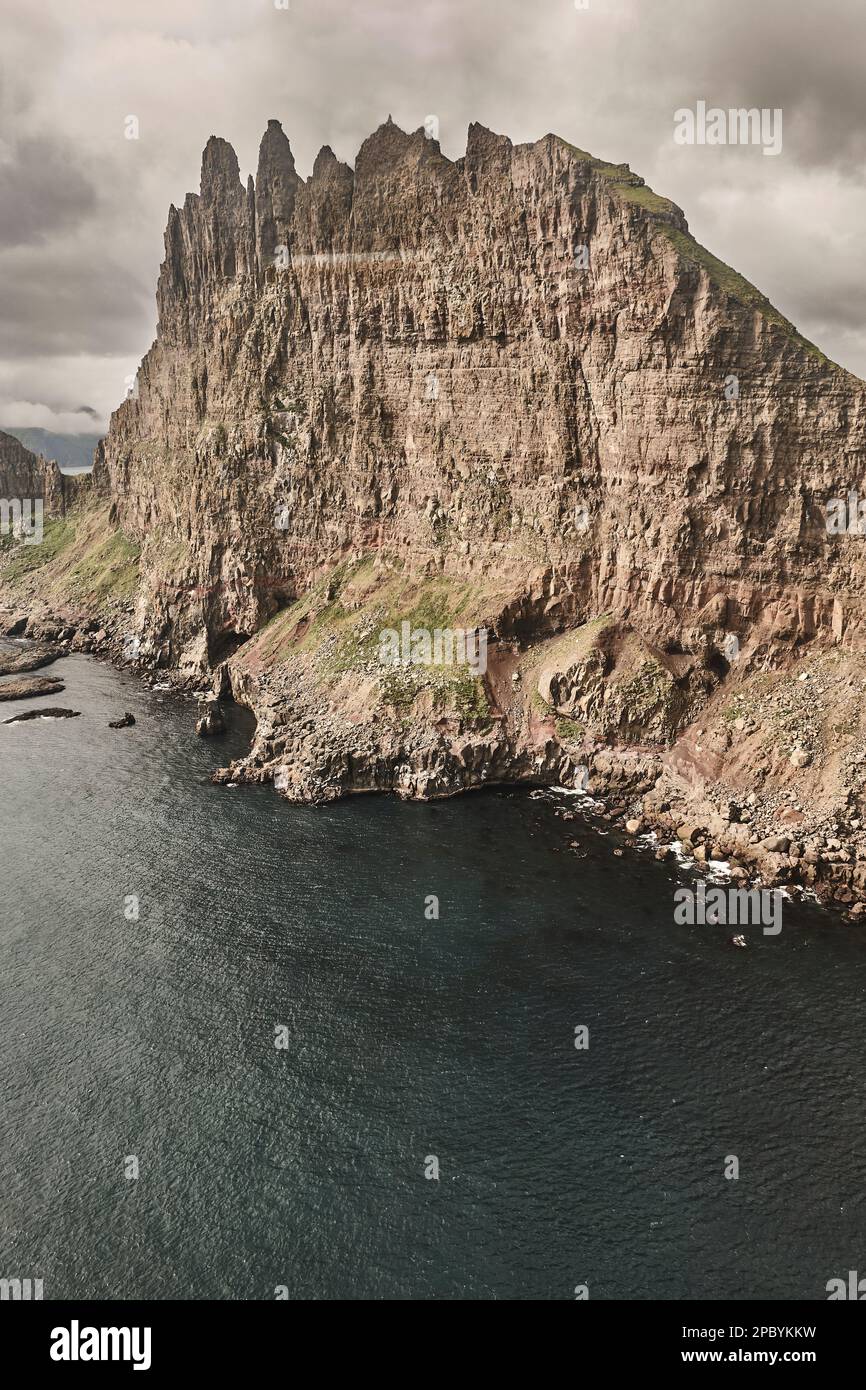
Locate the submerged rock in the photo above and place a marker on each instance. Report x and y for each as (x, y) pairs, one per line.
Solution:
(124, 723)
(49, 713)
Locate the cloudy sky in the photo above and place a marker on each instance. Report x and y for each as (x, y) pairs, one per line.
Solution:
(82, 208)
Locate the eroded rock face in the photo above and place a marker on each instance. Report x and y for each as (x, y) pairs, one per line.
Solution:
(608, 678)
(409, 359)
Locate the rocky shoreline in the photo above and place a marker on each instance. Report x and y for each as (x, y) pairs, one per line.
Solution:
(758, 837)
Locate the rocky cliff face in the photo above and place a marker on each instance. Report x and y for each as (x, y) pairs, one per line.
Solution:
(25, 475)
(513, 363)
(509, 391)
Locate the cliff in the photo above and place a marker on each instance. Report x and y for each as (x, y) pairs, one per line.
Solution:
(25, 475)
(508, 391)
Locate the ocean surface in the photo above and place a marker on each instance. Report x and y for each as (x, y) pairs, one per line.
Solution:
(149, 1045)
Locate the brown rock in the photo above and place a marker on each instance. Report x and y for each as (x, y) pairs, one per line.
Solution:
(48, 712)
(25, 687)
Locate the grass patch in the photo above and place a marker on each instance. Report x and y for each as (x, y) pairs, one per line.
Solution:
(338, 624)
(353, 602)
(566, 649)
(629, 186)
(540, 705)
(108, 569)
(318, 613)
(24, 560)
(569, 728)
(451, 688)
(82, 558)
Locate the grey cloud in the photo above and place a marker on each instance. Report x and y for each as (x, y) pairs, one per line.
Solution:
(65, 301)
(47, 391)
(608, 78)
(805, 59)
(42, 193)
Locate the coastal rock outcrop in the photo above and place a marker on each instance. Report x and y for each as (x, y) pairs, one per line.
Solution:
(26, 687)
(30, 658)
(25, 475)
(211, 720)
(507, 393)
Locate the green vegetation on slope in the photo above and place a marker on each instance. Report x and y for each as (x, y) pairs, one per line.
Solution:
(82, 559)
(338, 624)
(627, 185)
(108, 569)
(18, 560)
(736, 285)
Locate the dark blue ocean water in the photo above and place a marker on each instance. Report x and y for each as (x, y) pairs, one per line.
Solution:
(408, 1038)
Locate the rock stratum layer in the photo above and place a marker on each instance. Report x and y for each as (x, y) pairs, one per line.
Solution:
(508, 391)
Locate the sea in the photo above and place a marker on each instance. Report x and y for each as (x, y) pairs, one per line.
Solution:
(388, 1050)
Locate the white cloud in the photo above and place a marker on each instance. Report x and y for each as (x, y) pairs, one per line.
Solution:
(28, 415)
(40, 392)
